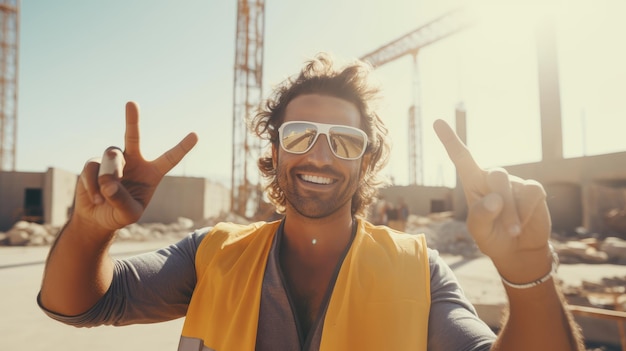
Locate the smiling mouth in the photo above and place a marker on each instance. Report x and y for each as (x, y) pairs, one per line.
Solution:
(316, 179)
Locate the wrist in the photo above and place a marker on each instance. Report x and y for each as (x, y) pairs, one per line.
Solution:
(88, 232)
(553, 268)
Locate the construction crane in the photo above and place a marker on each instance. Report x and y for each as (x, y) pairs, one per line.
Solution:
(246, 193)
(410, 44)
(9, 44)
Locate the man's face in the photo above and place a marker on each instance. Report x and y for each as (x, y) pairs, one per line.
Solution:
(317, 183)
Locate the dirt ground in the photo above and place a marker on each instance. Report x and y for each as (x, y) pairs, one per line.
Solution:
(24, 327)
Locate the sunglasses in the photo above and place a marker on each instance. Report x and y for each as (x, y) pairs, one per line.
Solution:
(347, 143)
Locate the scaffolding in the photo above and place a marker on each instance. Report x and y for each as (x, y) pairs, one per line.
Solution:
(9, 44)
(410, 44)
(246, 192)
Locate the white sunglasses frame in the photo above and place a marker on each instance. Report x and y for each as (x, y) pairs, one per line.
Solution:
(322, 128)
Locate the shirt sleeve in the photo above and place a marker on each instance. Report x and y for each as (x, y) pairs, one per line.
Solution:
(453, 323)
(146, 288)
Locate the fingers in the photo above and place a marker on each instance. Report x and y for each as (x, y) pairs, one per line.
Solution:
(126, 209)
(111, 171)
(499, 182)
(116, 192)
(110, 174)
(131, 138)
(481, 183)
(483, 214)
(172, 157)
(504, 211)
(89, 180)
(112, 163)
(459, 154)
(529, 196)
(101, 176)
(509, 206)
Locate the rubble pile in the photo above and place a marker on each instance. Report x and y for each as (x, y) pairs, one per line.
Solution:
(444, 234)
(32, 234)
(452, 237)
(592, 250)
(609, 293)
(449, 236)
(615, 220)
(26, 233)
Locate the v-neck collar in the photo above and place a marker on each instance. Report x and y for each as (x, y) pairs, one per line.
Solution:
(276, 294)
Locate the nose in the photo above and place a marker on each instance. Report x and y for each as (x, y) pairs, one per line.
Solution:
(320, 151)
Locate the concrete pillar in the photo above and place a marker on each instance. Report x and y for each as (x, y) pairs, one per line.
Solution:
(549, 92)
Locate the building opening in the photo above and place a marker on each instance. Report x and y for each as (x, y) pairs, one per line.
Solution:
(437, 205)
(33, 205)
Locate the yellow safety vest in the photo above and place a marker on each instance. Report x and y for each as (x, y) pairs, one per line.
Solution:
(380, 301)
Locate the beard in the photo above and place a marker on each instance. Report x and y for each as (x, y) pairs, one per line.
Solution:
(315, 205)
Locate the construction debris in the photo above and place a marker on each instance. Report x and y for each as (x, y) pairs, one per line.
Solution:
(442, 232)
(32, 234)
(615, 220)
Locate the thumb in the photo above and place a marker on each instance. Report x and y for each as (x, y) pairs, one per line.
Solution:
(483, 213)
(126, 209)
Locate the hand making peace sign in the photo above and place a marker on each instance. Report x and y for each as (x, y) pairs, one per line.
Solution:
(115, 192)
(507, 216)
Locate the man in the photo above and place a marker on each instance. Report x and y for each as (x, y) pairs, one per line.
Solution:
(322, 278)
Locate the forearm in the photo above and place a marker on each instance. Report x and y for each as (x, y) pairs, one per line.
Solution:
(538, 320)
(78, 270)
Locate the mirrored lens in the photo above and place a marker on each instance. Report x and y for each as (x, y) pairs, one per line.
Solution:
(298, 137)
(346, 142)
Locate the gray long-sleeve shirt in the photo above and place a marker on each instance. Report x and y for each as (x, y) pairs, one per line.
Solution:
(158, 286)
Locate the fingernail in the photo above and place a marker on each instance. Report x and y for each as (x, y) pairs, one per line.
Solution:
(515, 230)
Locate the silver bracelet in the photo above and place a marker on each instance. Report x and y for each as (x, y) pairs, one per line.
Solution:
(545, 278)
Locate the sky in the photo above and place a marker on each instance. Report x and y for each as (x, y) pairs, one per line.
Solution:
(81, 61)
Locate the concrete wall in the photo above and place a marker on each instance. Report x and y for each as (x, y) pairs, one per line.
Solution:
(565, 203)
(193, 198)
(599, 198)
(58, 195)
(580, 190)
(216, 199)
(176, 197)
(57, 187)
(608, 167)
(421, 200)
(12, 189)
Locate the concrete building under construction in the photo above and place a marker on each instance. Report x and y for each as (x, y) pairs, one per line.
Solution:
(580, 190)
(47, 198)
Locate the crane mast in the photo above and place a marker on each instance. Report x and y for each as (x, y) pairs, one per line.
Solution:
(9, 44)
(247, 94)
(441, 27)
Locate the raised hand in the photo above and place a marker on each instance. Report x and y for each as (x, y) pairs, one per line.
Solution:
(115, 192)
(507, 216)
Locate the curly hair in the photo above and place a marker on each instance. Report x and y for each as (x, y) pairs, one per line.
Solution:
(350, 83)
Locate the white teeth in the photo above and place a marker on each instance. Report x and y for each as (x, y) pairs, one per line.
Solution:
(316, 179)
